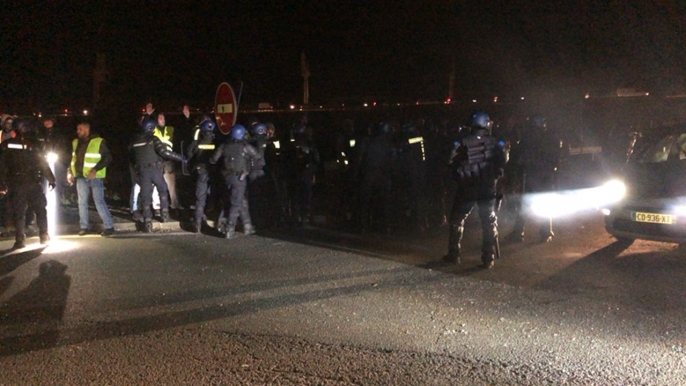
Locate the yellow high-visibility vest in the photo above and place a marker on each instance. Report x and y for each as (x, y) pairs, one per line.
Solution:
(165, 134)
(91, 158)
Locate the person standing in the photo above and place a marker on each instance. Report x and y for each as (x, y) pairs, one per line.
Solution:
(199, 153)
(374, 167)
(22, 169)
(6, 121)
(149, 154)
(166, 135)
(89, 161)
(260, 197)
(411, 164)
(303, 161)
(477, 162)
(54, 145)
(237, 156)
(538, 156)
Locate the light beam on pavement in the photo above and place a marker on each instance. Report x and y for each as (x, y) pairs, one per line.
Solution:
(51, 196)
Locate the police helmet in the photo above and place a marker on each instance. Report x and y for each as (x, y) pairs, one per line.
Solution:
(259, 129)
(479, 120)
(408, 128)
(538, 121)
(207, 125)
(237, 132)
(252, 121)
(383, 128)
(299, 129)
(148, 125)
(23, 126)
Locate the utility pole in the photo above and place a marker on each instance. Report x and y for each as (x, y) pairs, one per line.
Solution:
(306, 78)
(100, 76)
(451, 83)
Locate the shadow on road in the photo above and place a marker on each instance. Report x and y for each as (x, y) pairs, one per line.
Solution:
(5, 283)
(13, 259)
(655, 281)
(398, 249)
(53, 309)
(41, 303)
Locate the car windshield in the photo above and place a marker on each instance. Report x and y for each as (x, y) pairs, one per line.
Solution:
(658, 152)
(679, 150)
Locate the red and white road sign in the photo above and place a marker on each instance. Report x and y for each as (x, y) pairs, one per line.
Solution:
(225, 108)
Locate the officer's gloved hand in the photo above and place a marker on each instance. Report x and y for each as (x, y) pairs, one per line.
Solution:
(52, 185)
(256, 174)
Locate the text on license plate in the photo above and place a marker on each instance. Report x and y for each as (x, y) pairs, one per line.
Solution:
(655, 218)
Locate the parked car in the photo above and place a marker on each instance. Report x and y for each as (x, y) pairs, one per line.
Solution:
(654, 205)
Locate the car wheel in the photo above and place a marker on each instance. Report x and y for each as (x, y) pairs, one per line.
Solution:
(625, 241)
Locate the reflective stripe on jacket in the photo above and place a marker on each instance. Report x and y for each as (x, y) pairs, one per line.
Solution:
(165, 134)
(91, 158)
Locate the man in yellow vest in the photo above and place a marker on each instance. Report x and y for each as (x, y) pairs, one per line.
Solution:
(89, 161)
(166, 135)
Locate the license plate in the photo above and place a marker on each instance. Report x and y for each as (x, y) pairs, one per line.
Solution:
(655, 218)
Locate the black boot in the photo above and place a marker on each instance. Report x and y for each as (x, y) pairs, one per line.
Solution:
(487, 261)
(230, 232)
(19, 243)
(455, 232)
(197, 226)
(451, 259)
(515, 237)
(248, 229)
(164, 215)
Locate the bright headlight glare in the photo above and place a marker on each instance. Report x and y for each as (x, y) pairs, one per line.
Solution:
(680, 210)
(614, 190)
(52, 157)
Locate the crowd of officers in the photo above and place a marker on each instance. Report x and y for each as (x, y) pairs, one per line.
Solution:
(382, 177)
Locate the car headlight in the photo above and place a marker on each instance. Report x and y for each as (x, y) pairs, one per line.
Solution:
(52, 157)
(613, 191)
(680, 210)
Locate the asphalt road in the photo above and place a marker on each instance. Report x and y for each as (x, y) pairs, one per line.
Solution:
(328, 308)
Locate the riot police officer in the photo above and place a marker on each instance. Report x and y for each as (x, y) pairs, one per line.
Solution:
(303, 160)
(199, 152)
(477, 162)
(374, 168)
(538, 156)
(22, 169)
(237, 156)
(259, 186)
(149, 154)
(411, 171)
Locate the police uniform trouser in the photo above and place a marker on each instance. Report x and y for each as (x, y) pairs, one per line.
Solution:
(170, 179)
(238, 203)
(375, 186)
(303, 195)
(202, 189)
(535, 183)
(465, 199)
(148, 178)
(28, 195)
(259, 200)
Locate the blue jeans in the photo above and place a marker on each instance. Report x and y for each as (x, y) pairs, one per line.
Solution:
(83, 188)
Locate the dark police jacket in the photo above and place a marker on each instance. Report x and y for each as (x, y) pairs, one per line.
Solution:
(149, 152)
(478, 159)
(22, 162)
(200, 151)
(238, 157)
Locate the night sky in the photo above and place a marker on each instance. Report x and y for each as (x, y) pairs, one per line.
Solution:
(387, 50)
